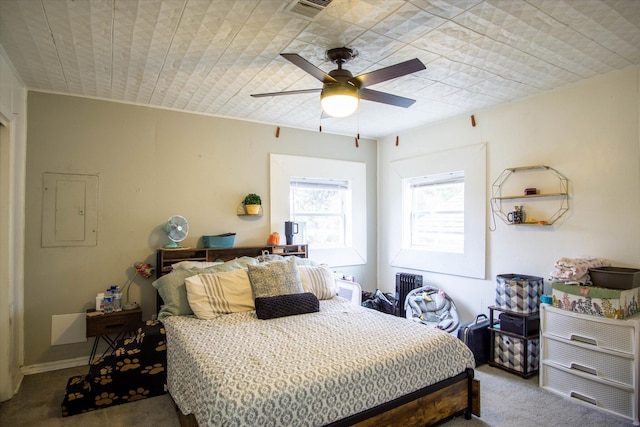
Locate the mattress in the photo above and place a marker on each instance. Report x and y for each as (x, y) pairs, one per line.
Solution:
(305, 370)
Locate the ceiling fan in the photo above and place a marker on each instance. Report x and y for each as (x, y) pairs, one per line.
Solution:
(341, 91)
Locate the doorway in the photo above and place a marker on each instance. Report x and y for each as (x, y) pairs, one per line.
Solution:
(10, 374)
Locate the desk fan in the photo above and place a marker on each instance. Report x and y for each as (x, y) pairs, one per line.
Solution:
(177, 229)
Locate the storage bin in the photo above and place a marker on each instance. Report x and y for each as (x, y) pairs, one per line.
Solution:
(220, 241)
(615, 277)
(518, 292)
(595, 301)
(598, 394)
(517, 354)
(521, 325)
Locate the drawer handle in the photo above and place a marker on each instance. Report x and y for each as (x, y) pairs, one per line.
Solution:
(582, 339)
(584, 398)
(582, 368)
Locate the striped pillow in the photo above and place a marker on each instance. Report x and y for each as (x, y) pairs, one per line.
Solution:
(318, 280)
(225, 292)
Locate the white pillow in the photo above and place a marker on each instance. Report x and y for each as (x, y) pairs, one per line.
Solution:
(194, 264)
(219, 293)
(318, 280)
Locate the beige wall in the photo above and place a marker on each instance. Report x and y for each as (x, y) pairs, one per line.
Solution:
(589, 132)
(151, 164)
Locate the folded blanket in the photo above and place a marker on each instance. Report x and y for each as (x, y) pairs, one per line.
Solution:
(576, 269)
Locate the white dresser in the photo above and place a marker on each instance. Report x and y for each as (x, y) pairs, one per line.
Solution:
(591, 359)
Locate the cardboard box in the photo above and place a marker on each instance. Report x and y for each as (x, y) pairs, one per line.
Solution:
(604, 302)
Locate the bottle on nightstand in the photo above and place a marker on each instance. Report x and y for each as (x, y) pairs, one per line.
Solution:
(108, 302)
(117, 298)
(100, 302)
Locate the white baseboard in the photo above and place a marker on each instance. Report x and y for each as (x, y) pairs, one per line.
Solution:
(38, 368)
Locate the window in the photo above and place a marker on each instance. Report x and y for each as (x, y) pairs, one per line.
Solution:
(435, 217)
(321, 207)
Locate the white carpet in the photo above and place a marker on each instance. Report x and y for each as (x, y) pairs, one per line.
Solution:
(508, 400)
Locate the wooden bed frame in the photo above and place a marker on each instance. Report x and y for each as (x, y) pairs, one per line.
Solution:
(459, 395)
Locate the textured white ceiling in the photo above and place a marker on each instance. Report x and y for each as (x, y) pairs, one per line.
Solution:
(208, 56)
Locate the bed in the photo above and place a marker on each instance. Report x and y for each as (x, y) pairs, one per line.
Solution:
(338, 365)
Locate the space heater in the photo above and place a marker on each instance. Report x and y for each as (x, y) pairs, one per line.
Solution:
(405, 283)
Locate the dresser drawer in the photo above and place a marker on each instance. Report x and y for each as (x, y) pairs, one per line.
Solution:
(619, 400)
(116, 322)
(602, 333)
(589, 361)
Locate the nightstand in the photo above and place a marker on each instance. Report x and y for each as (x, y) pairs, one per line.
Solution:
(117, 323)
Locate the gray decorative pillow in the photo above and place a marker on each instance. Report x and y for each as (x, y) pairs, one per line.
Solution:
(275, 278)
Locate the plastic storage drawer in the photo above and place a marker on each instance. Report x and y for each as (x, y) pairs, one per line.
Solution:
(619, 400)
(578, 358)
(598, 331)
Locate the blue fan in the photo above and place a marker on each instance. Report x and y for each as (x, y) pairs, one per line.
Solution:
(177, 229)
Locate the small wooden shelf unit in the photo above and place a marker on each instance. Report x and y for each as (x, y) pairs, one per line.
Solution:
(167, 257)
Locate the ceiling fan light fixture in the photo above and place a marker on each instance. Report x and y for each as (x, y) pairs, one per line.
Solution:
(339, 100)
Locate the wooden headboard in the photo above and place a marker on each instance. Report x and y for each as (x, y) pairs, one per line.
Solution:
(165, 258)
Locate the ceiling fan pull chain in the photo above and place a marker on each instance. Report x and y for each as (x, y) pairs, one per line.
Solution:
(358, 124)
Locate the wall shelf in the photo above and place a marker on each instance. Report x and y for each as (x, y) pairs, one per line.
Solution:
(560, 195)
(530, 196)
(241, 211)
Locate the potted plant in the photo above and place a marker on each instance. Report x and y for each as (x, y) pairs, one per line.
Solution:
(252, 203)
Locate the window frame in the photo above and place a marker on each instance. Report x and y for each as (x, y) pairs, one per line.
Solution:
(472, 161)
(283, 167)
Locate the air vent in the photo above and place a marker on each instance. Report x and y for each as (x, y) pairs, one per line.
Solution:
(308, 9)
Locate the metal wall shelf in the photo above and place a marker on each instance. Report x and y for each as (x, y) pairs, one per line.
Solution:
(562, 195)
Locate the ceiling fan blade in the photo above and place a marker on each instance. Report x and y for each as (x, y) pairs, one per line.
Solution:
(307, 66)
(386, 98)
(289, 92)
(388, 73)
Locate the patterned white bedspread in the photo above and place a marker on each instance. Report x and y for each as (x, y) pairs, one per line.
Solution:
(306, 370)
